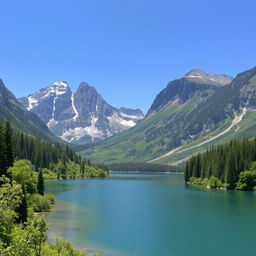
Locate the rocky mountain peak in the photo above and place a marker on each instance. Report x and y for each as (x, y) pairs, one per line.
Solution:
(82, 116)
(5, 94)
(131, 112)
(199, 74)
(60, 83)
(84, 85)
(85, 88)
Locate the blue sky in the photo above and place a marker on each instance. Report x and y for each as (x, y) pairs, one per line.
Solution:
(127, 49)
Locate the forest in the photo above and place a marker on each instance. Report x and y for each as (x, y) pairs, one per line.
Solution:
(55, 160)
(22, 196)
(143, 167)
(231, 166)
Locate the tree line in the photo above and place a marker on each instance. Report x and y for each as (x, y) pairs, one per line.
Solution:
(224, 165)
(6, 148)
(143, 167)
(42, 153)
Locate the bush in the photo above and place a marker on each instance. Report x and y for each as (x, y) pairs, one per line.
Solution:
(48, 174)
(63, 248)
(93, 172)
(212, 182)
(41, 203)
(247, 180)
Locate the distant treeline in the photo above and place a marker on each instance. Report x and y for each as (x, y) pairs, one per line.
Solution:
(143, 167)
(42, 153)
(56, 160)
(224, 165)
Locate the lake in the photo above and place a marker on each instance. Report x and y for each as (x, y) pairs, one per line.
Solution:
(153, 215)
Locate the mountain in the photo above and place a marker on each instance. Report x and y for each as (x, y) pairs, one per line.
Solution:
(80, 117)
(170, 122)
(20, 117)
(194, 82)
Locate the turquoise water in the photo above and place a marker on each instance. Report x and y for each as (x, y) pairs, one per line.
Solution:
(153, 215)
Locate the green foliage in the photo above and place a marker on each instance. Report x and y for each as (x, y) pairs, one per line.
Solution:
(36, 228)
(247, 179)
(26, 240)
(9, 145)
(71, 170)
(21, 232)
(23, 172)
(6, 149)
(226, 163)
(212, 182)
(40, 203)
(143, 167)
(10, 199)
(22, 209)
(40, 183)
(94, 172)
(64, 248)
(42, 153)
(48, 174)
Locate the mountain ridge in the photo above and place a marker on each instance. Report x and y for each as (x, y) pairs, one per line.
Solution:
(79, 117)
(184, 114)
(23, 120)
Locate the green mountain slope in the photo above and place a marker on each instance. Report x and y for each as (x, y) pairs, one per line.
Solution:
(21, 119)
(232, 112)
(164, 127)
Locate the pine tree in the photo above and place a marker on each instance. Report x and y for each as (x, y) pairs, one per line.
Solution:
(230, 170)
(9, 145)
(22, 210)
(186, 173)
(40, 183)
(2, 152)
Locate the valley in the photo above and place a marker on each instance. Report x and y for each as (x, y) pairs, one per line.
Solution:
(127, 128)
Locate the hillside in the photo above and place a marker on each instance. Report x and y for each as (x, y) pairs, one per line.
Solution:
(20, 117)
(169, 123)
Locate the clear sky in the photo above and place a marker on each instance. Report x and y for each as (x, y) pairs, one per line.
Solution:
(127, 49)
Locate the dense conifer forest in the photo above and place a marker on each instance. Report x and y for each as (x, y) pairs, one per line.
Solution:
(231, 166)
(55, 160)
(143, 167)
(40, 152)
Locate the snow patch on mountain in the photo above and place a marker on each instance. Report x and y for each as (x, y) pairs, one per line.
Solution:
(52, 121)
(116, 119)
(73, 135)
(31, 102)
(60, 84)
(79, 117)
(74, 108)
(131, 116)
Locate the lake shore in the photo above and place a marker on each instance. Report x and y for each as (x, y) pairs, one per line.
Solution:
(55, 229)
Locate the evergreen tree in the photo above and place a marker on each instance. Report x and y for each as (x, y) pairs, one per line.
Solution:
(224, 162)
(22, 210)
(40, 183)
(186, 173)
(9, 145)
(2, 152)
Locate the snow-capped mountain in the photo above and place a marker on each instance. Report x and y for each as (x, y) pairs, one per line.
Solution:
(80, 117)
